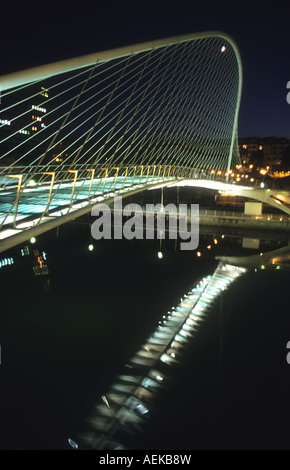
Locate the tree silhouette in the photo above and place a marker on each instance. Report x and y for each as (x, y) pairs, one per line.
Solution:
(285, 158)
(257, 158)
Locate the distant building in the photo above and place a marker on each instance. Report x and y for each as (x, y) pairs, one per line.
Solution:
(21, 123)
(264, 152)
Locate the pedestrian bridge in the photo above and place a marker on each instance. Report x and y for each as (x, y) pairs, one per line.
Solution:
(80, 131)
(278, 198)
(74, 132)
(37, 212)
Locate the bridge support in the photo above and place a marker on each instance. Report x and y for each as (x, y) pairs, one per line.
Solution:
(253, 208)
(279, 199)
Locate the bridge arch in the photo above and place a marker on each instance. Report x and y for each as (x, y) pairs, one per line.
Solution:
(131, 116)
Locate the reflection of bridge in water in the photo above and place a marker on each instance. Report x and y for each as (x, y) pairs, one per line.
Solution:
(125, 408)
(128, 403)
(275, 259)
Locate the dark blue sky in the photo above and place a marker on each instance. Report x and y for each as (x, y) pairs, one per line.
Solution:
(44, 33)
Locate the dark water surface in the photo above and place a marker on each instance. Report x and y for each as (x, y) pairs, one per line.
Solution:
(66, 334)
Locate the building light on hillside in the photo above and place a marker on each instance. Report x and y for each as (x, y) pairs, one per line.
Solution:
(44, 92)
(5, 122)
(38, 108)
(24, 131)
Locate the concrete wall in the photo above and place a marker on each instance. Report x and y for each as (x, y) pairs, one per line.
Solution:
(253, 208)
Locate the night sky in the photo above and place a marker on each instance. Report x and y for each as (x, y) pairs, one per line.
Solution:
(45, 32)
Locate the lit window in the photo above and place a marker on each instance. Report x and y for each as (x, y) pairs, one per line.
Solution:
(44, 92)
(23, 131)
(38, 108)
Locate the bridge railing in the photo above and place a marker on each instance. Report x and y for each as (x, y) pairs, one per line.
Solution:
(80, 182)
(37, 175)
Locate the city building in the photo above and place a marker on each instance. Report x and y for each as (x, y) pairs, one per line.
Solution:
(23, 124)
(265, 153)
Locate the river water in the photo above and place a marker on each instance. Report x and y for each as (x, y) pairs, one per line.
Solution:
(66, 333)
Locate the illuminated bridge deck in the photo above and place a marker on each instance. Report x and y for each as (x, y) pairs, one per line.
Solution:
(33, 201)
(36, 212)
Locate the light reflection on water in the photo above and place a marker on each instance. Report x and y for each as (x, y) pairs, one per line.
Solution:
(71, 318)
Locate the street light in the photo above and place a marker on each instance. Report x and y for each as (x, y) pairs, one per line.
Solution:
(91, 247)
(160, 254)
